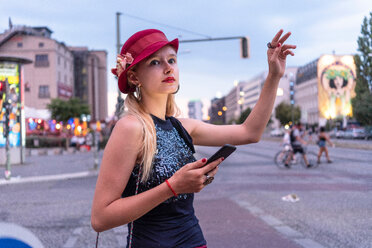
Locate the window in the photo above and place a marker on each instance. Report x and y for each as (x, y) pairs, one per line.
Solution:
(59, 60)
(41, 60)
(41, 44)
(27, 87)
(19, 44)
(44, 91)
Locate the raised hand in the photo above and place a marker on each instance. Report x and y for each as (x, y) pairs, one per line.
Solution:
(277, 53)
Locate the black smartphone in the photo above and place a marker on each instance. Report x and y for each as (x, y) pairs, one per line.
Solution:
(224, 152)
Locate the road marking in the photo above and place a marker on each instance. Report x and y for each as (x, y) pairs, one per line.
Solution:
(15, 180)
(308, 243)
(70, 243)
(279, 226)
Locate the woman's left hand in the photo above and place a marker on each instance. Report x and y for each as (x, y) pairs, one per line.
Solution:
(277, 55)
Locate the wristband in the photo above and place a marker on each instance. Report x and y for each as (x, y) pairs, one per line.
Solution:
(174, 193)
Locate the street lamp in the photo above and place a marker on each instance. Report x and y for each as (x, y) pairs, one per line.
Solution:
(120, 100)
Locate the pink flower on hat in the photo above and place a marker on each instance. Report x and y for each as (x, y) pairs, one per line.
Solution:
(121, 63)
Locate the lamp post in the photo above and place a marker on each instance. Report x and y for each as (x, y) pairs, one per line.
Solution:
(291, 92)
(120, 100)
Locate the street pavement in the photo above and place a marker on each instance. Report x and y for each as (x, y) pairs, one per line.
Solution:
(243, 207)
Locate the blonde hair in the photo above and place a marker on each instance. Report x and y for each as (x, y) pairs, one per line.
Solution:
(148, 143)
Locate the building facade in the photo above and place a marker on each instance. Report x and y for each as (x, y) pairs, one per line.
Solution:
(324, 89)
(234, 102)
(51, 74)
(195, 109)
(91, 80)
(217, 111)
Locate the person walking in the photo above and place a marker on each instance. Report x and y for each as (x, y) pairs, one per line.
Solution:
(323, 138)
(148, 174)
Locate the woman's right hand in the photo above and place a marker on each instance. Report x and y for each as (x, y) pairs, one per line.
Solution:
(191, 177)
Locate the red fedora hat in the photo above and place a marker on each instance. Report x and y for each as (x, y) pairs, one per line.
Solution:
(137, 48)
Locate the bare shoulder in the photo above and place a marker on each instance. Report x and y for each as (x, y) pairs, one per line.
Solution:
(128, 124)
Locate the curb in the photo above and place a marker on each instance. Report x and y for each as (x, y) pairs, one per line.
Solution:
(18, 180)
(51, 151)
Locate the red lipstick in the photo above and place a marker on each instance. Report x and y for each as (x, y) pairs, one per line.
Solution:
(169, 80)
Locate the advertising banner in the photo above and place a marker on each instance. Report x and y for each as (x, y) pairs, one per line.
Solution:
(9, 74)
(336, 84)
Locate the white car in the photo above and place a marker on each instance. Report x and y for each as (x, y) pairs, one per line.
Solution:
(276, 132)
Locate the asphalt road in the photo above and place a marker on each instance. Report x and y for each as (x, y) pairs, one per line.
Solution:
(243, 207)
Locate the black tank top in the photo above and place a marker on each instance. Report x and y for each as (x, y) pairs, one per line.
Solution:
(173, 222)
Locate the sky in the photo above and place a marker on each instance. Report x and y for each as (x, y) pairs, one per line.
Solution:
(207, 69)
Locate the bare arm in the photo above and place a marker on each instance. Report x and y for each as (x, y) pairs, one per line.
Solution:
(253, 127)
(109, 209)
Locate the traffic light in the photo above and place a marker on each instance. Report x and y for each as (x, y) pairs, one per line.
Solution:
(244, 47)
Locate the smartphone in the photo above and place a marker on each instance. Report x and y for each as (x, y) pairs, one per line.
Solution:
(224, 152)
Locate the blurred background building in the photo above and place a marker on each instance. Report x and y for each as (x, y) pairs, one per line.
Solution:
(195, 109)
(57, 71)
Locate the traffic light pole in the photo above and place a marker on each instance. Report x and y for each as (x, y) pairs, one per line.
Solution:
(7, 145)
(120, 100)
(244, 43)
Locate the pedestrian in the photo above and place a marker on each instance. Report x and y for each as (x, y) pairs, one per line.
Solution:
(323, 138)
(148, 174)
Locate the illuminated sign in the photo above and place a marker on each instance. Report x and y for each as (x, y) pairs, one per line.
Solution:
(9, 72)
(336, 83)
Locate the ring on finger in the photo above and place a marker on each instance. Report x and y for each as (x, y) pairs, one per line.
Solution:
(208, 180)
(269, 45)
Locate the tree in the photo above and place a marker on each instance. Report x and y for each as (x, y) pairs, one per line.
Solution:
(362, 108)
(63, 110)
(284, 115)
(244, 115)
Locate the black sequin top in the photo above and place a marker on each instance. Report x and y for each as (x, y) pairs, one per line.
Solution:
(172, 223)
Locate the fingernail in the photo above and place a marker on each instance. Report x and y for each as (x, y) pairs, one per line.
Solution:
(279, 44)
(204, 160)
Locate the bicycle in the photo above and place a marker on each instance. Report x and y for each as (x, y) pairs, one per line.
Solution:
(282, 156)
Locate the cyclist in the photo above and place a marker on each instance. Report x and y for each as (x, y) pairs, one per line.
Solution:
(297, 140)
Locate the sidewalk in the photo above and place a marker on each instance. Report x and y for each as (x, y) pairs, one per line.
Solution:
(52, 167)
(55, 164)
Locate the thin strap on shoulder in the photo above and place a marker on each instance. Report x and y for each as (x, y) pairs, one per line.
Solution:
(182, 132)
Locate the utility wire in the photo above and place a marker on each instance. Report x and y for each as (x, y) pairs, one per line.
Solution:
(165, 25)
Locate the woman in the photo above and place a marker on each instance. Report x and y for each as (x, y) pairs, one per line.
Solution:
(322, 140)
(148, 173)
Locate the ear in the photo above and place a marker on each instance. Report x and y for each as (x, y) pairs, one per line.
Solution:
(132, 77)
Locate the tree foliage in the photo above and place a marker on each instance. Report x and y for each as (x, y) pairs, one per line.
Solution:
(63, 110)
(284, 115)
(244, 115)
(362, 107)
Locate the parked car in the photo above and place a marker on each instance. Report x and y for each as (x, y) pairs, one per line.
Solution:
(340, 134)
(368, 133)
(355, 133)
(277, 132)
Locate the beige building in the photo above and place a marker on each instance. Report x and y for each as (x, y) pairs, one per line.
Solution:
(52, 73)
(306, 93)
(234, 102)
(90, 83)
(246, 94)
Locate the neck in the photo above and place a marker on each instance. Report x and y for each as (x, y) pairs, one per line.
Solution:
(156, 105)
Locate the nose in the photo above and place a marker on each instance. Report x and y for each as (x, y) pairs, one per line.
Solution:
(168, 68)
